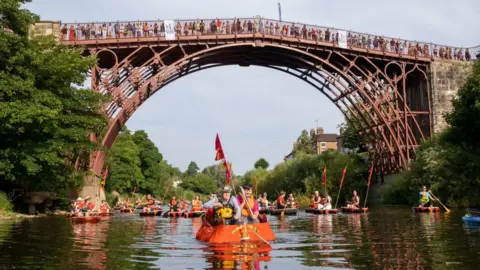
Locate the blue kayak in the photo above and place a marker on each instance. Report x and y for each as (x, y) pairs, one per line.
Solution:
(470, 219)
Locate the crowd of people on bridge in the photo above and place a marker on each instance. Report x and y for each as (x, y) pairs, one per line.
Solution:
(119, 30)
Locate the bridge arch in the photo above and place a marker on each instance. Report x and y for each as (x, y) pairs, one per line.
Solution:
(368, 93)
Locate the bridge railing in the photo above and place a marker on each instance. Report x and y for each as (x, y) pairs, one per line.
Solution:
(222, 26)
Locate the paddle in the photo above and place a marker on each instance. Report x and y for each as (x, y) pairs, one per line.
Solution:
(446, 209)
(283, 211)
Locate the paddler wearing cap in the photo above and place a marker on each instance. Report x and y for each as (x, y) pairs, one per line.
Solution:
(226, 201)
(247, 215)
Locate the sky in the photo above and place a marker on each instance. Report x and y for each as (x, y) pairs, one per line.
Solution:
(259, 112)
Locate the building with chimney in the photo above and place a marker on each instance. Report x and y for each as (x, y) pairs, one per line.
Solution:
(321, 142)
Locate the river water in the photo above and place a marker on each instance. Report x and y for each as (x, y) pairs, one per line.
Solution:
(385, 238)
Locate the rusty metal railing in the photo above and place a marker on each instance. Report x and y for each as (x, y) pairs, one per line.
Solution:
(221, 26)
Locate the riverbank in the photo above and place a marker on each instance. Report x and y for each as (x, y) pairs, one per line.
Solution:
(14, 215)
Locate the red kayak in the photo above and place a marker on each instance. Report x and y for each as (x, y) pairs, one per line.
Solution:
(150, 213)
(349, 210)
(426, 209)
(79, 218)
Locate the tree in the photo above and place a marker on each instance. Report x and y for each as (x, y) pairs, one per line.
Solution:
(150, 159)
(305, 144)
(199, 183)
(216, 173)
(44, 118)
(351, 139)
(192, 169)
(261, 163)
(124, 164)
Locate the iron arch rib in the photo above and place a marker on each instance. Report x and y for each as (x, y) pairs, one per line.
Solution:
(345, 85)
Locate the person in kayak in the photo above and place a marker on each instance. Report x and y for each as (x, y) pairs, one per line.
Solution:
(290, 201)
(281, 200)
(150, 204)
(105, 207)
(196, 204)
(249, 217)
(226, 207)
(355, 202)
(326, 202)
(424, 198)
(173, 204)
(263, 201)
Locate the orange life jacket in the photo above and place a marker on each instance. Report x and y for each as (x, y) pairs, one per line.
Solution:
(150, 202)
(245, 211)
(173, 202)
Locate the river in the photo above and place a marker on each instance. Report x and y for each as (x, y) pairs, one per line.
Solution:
(385, 238)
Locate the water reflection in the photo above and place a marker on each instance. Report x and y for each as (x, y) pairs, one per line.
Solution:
(391, 238)
(239, 256)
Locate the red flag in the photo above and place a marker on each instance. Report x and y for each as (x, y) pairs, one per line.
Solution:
(219, 149)
(228, 173)
(343, 176)
(370, 175)
(324, 176)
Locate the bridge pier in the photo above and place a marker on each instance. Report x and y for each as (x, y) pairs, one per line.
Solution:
(92, 188)
(447, 76)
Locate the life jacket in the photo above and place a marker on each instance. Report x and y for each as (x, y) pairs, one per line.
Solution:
(91, 205)
(316, 199)
(173, 202)
(424, 198)
(280, 201)
(79, 205)
(245, 211)
(104, 208)
(151, 202)
(227, 211)
(196, 205)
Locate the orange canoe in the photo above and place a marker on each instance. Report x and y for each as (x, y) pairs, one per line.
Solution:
(235, 233)
(104, 214)
(426, 209)
(194, 214)
(150, 213)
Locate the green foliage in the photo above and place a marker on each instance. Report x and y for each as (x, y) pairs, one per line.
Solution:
(216, 173)
(261, 163)
(44, 118)
(123, 163)
(303, 175)
(192, 169)
(150, 159)
(304, 145)
(6, 206)
(351, 139)
(200, 183)
(449, 163)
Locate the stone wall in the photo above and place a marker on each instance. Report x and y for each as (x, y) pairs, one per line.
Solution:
(447, 77)
(92, 188)
(46, 28)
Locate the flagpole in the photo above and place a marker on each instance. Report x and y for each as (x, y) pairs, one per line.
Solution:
(341, 184)
(368, 185)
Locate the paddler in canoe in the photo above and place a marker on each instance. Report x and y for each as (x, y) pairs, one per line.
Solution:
(150, 204)
(291, 201)
(355, 202)
(197, 204)
(325, 202)
(280, 202)
(263, 202)
(226, 208)
(248, 217)
(424, 198)
(105, 207)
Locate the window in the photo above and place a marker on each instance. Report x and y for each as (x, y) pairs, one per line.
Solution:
(323, 144)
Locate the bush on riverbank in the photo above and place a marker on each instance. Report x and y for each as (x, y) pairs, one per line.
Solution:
(6, 206)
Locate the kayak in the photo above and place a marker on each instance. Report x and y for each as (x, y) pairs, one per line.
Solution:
(235, 233)
(193, 214)
(288, 211)
(349, 210)
(127, 210)
(469, 219)
(75, 218)
(104, 214)
(321, 211)
(150, 213)
(426, 209)
(173, 214)
(264, 211)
